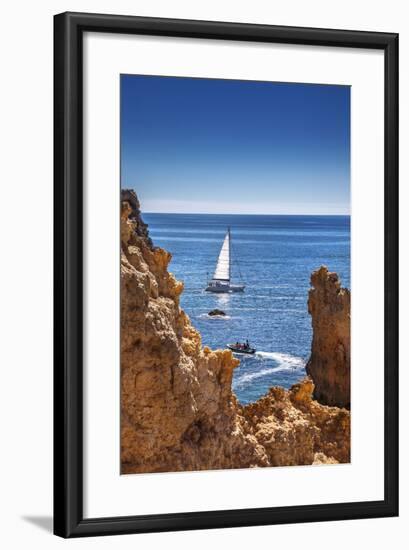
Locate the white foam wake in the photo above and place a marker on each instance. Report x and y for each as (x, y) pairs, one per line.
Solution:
(285, 362)
(283, 359)
(246, 378)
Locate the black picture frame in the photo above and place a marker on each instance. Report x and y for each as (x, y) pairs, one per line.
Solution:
(68, 274)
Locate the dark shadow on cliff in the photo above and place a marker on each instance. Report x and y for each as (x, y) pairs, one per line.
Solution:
(43, 522)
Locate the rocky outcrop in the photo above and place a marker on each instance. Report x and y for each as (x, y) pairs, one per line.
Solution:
(178, 411)
(140, 227)
(216, 313)
(177, 408)
(294, 429)
(329, 365)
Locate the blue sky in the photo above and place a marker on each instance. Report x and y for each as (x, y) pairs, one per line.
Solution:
(230, 146)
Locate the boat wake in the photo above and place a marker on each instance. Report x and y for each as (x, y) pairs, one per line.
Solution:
(284, 362)
(283, 359)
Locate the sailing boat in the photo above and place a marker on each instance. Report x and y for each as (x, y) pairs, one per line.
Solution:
(222, 274)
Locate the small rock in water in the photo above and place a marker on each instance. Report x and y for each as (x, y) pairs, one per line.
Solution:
(216, 312)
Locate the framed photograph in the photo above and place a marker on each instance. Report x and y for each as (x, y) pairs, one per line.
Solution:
(226, 274)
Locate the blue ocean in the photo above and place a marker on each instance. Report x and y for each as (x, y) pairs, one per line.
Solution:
(274, 256)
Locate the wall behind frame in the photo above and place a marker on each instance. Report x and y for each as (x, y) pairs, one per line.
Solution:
(26, 274)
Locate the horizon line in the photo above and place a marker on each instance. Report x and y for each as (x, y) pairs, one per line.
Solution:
(241, 214)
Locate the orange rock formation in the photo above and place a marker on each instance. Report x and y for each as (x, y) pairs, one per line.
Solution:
(178, 411)
(329, 364)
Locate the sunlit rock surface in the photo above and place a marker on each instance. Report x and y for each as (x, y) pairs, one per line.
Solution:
(329, 366)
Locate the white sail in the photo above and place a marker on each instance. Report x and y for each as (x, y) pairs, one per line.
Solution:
(222, 271)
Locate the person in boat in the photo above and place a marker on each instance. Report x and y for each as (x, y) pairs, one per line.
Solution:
(247, 344)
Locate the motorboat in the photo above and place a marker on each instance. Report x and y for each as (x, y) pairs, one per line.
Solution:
(242, 348)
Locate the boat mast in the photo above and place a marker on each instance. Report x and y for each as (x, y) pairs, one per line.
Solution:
(228, 230)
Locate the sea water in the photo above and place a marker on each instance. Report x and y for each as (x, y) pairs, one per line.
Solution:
(274, 256)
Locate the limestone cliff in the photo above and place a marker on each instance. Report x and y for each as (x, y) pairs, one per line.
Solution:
(140, 227)
(178, 411)
(329, 364)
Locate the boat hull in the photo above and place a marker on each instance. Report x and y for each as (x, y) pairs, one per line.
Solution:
(224, 288)
(249, 351)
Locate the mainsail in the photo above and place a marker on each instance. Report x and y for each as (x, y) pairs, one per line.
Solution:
(222, 271)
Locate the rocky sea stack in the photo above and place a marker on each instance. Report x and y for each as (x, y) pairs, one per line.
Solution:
(178, 410)
(329, 365)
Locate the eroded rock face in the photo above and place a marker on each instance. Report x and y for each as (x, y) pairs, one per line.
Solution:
(178, 411)
(296, 430)
(177, 408)
(141, 228)
(329, 364)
